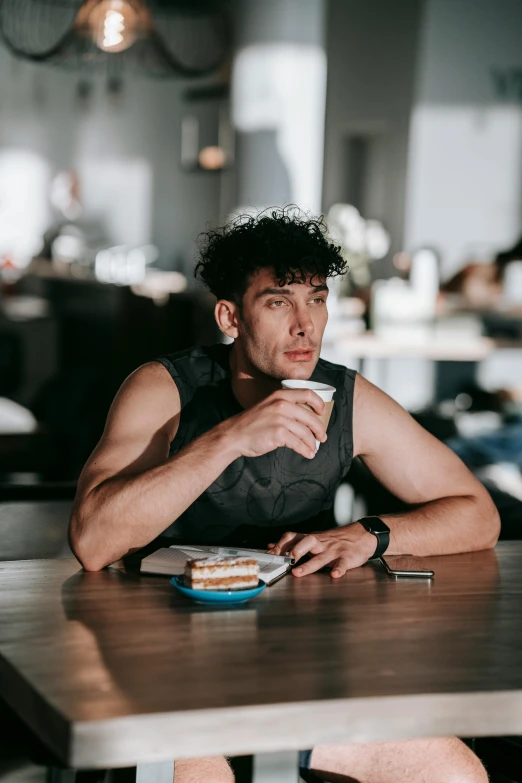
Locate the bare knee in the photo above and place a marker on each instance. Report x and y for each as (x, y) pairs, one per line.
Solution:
(445, 760)
(461, 765)
(207, 770)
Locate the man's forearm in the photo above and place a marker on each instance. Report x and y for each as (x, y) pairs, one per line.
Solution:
(445, 526)
(124, 513)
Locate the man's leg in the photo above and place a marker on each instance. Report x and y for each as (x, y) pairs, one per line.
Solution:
(446, 760)
(208, 770)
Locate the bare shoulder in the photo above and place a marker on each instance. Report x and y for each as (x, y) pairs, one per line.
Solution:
(147, 399)
(142, 422)
(151, 377)
(379, 420)
(367, 395)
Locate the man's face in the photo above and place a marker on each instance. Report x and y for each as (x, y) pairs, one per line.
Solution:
(281, 327)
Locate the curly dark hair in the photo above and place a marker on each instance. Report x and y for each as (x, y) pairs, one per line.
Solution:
(294, 244)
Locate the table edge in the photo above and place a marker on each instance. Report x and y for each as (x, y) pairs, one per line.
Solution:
(129, 740)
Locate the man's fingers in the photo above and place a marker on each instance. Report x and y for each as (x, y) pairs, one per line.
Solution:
(309, 419)
(295, 443)
(302, 432)
(314, 564)
(317, 403)
(341, 567)
(340, 564)
(285, 540)
(298, 411)
(305, 396)
(307, 545)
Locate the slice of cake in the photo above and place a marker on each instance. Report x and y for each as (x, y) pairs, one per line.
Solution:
(221, 573)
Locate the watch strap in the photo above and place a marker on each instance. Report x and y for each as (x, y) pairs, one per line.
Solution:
(380, 530)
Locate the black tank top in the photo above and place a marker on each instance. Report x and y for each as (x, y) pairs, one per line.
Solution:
(256, 499)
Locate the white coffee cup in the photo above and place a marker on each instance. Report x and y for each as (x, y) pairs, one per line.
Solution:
(324, 391)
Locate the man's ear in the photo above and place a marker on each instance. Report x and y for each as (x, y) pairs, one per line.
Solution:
(227, 317)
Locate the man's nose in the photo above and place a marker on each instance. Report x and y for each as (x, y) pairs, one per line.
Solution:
(302, 323)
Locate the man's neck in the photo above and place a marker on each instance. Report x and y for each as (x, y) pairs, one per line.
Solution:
(248, 385)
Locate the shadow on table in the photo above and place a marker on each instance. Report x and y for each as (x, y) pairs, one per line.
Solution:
(306, 638)
(302, 637)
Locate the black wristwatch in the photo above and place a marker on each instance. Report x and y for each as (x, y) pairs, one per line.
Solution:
(380, 530)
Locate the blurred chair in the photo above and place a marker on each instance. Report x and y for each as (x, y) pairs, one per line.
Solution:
(104, 332)
(33, 529)
(71, 408)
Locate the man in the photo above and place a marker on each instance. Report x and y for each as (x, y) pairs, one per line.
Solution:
(206, 445)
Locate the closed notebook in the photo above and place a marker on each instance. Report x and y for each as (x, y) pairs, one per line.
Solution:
(170, 561)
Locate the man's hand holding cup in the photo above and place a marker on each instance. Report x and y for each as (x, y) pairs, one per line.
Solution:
(288, 417)
(323, 391)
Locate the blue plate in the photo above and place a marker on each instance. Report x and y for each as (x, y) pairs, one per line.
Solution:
(217, 596)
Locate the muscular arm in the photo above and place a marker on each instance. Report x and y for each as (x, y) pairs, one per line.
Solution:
(454, 512)
(129, 490)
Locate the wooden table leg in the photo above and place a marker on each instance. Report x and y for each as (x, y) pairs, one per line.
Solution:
(276, 767)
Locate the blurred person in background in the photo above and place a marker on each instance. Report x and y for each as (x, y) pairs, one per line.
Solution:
(495, 456)
(481, 285)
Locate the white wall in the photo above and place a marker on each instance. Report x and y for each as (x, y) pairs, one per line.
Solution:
(371, 47)
(127, 151)
(278, 97)
(465, 172)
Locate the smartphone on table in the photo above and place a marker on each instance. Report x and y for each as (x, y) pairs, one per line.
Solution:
(405, 565)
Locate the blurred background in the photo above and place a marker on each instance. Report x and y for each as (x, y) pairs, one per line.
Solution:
(127, 126)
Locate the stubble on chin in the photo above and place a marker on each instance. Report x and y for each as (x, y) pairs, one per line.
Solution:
(299, 371)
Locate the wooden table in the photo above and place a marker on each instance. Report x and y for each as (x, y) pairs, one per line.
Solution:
(111, 669)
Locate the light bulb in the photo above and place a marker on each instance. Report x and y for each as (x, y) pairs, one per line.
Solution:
(113, 25)
(212, 158)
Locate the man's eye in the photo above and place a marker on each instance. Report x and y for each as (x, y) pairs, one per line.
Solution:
(319, 300)
(277, 303)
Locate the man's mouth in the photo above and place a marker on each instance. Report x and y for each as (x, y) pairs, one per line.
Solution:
(300, 354)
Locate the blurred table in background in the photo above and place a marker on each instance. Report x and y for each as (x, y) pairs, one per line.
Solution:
(418, 368)
(371, 346)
